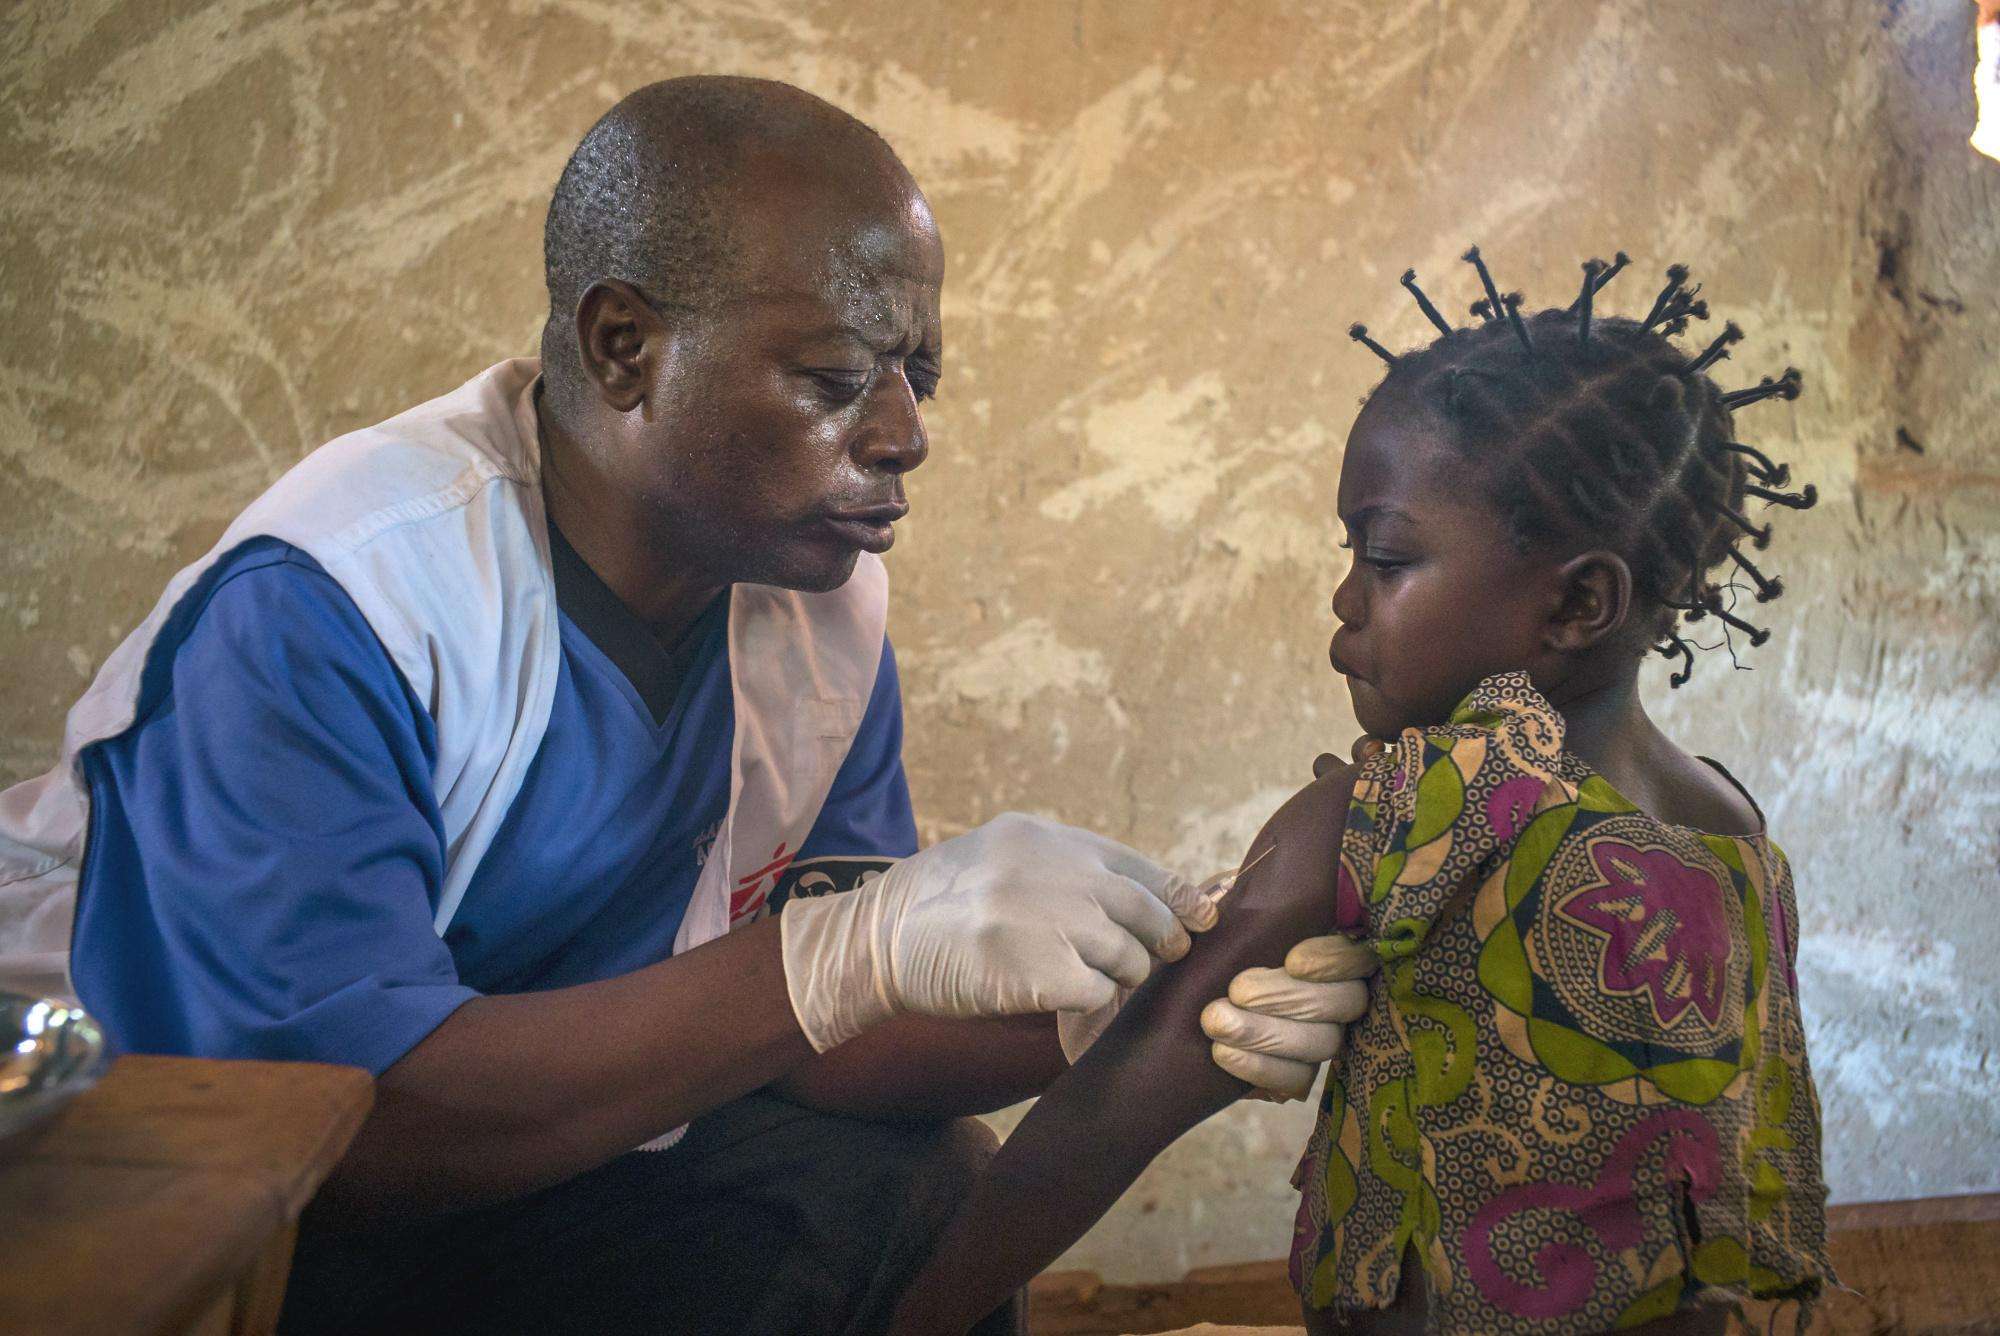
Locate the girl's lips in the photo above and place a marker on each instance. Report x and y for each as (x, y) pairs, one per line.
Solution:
(1340, 665)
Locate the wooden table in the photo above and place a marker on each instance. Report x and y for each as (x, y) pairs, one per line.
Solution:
(165, 1199)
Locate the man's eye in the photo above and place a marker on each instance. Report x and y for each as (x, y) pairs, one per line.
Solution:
(923, 382)
(839, 385)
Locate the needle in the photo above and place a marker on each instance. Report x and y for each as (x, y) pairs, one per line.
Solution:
(1227, 883)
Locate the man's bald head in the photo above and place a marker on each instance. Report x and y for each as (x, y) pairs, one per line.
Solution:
(651, 195)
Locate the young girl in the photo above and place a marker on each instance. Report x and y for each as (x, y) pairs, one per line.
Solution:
(1579, 1098)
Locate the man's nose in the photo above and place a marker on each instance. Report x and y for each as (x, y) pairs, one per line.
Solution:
(893, 439)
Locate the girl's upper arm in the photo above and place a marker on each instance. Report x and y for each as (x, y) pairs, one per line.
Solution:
(1286, 893)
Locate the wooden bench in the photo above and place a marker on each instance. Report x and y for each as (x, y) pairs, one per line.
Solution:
(1929, 1266)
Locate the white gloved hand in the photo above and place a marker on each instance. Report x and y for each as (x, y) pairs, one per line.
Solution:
(1021, 915)
(1198, 907)
(1078, 1030)
(1277, 1026)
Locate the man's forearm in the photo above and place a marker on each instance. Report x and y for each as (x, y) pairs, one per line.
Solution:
(927, 1067)
(515, 1092)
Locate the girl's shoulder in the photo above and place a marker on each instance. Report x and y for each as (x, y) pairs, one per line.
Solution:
(1430, 811)
(1492, 787)
(1499, 761)
(1493, 763)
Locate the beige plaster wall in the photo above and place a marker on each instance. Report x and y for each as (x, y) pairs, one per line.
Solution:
(229, 231)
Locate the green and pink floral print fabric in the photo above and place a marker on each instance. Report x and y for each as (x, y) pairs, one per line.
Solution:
(1580, 1094)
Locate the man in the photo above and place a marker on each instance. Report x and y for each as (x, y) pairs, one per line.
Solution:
(484, 749)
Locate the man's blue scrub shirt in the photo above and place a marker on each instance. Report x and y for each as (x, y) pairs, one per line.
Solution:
(265, 853)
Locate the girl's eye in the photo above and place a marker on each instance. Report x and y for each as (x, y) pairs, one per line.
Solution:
(1375, 560)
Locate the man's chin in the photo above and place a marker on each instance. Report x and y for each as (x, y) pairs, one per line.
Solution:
(812, 572)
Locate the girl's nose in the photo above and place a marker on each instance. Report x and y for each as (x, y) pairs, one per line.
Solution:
(1349, 606)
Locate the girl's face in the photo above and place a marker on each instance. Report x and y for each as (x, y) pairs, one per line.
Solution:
(1439, 596)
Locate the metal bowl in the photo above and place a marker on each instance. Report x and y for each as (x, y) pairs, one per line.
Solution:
(50, 1051)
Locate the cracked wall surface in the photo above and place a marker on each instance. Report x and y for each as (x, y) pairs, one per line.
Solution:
(233, 230)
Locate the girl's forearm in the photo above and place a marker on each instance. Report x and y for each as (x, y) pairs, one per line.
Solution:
(1147, 1080)
(1066, 1164)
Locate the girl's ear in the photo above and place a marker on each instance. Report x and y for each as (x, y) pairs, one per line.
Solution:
(1595, 598)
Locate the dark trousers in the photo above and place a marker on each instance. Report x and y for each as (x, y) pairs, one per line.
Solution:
(766, 1218)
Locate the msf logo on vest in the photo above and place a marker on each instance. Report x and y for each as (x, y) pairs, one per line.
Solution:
(768, 889)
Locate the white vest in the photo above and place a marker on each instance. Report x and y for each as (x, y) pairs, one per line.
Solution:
(433, 522)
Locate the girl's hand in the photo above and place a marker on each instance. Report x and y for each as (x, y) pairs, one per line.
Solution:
(1365, 748)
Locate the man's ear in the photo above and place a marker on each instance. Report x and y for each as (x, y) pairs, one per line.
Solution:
(614, 326)
(1595, 599)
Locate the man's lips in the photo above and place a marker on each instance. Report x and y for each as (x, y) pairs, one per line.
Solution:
(869, 527)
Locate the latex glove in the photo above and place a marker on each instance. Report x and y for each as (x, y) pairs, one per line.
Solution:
(1021, 915)
(1199, 904)
(1078, 1030)
(1277, 1026)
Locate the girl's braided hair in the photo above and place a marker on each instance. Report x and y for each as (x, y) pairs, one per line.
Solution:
(1600, 430)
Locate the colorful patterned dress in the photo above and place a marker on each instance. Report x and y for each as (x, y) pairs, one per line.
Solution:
(1580, 1093)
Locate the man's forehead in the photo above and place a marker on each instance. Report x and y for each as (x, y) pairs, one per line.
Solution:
(863, 279)
(875, 313)
(847, 242)
(862, 208)
(811, 249)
